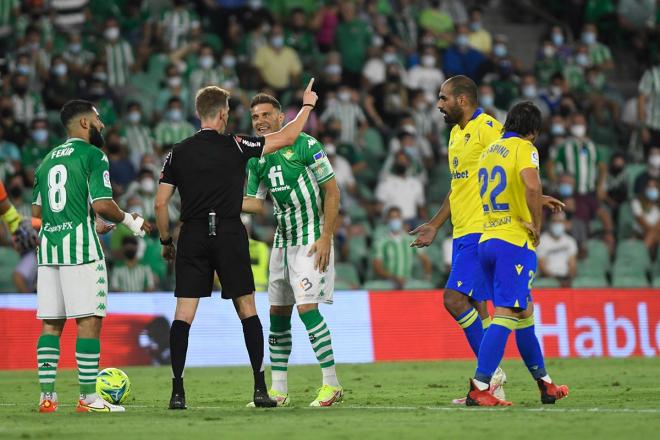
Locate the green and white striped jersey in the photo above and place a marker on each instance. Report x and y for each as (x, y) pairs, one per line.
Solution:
(580, 159)
(292, 176)
(71, 177)
(396, 254)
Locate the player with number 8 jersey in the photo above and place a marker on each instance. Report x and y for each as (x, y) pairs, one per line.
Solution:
(72, 186)
(71, 175)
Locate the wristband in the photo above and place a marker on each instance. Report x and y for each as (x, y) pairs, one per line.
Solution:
(135, 225)
(309, 105)
(167, 242)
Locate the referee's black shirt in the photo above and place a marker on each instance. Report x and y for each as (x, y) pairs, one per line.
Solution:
(208, 168)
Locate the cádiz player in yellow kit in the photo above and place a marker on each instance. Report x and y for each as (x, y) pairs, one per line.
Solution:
(473, 130)
(511, 195)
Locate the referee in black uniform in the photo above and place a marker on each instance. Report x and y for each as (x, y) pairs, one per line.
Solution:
(208, 168)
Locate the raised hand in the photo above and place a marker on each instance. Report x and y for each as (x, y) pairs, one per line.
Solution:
(309, 96)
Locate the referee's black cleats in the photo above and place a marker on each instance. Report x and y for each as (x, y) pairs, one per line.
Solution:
(262, 399)
(178, 400)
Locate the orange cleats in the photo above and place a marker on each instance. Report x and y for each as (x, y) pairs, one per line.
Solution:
(550, 392)
(477, 397)
(47, 404)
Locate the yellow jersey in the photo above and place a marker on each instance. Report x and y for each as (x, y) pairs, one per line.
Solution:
(465, 148)
(503, 190)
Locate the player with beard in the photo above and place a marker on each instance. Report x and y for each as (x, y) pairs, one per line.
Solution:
(465, 292)
(72, 186)
(304, 190)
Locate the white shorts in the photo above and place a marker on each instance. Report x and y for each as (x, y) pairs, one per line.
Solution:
(293, 279)
(72, 291)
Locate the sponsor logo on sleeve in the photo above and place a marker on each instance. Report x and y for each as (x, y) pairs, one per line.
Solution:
(106, 179)
(535, 158)
(318, 156)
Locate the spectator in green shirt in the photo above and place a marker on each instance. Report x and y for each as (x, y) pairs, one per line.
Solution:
(393, 256)
(352, 38)
(173, 128)
(39, 144)
(298, 37)
(599, 54)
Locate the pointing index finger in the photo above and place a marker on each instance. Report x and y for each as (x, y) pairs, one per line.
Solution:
(309, 86)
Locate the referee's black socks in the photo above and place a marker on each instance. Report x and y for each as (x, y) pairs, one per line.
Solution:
(178, 348)
(254, 342)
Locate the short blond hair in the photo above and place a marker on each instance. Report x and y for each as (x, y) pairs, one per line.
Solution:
(210, 100)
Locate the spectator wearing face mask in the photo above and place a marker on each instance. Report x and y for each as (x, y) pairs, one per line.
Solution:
(278, 65)
(558, 38)
(547, 63)
(350, 115)
(652, 170)
(648, 105)
(429, 123)
(173, 128)
(136, 133)
(599, 54)
(487, 102)
(617, 184)
(299, 38)
(427, 76)
(118, 55)
(582, 210)
(10, 157)
(580, 157)
(393, 257)
(646, 210)
(575, 68)
(131, 276)
(529, 91)
(122, 171)
(460, 58)
(343, 174)
(173, 87)
(77, 58)
(38, 146)
(400, 189)
(387, 102)
(557, 252)
(373, 72)
(554, 92)
(207, 72)
(480, 39)
(12, 130)
(27, 104)
(352, 39)
(177, 24)
(60, 86)
(416, 146)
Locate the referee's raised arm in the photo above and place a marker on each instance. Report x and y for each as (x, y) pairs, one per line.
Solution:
(289, 133)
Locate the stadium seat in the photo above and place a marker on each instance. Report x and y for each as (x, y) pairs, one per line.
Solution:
(347, 274)
(357, 250)
(356, 213)
(416, 284)
(544, 282)
(629, 281)
(597, 252)
(9, 259)
(378, 285)
(343, 285)
(626, 222)
(632, 260)
(373, 144)
(656, 281)
(588, 281)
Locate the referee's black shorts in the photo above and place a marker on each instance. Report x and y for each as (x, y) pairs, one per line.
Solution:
(199, 255)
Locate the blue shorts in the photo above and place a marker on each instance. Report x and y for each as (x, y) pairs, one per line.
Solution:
(466, 275)
(509, 271)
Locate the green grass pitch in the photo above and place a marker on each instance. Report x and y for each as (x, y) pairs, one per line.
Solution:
(610, 398)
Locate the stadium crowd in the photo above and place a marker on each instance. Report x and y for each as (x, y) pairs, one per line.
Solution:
(378, 66)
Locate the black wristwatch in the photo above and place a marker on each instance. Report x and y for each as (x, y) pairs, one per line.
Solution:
(167, 242)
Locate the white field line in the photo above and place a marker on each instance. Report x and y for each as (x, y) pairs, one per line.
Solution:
(415, 408)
